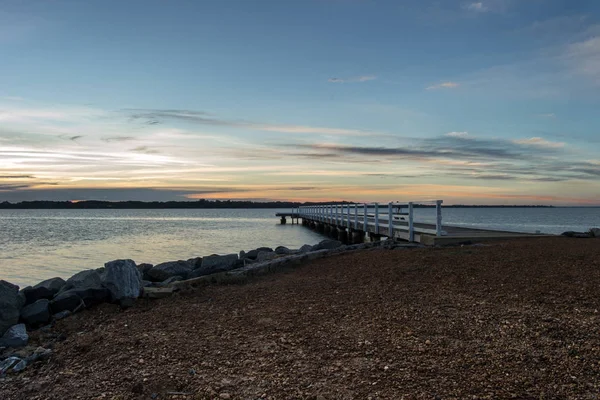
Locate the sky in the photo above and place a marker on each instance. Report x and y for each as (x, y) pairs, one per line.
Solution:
(471, 102)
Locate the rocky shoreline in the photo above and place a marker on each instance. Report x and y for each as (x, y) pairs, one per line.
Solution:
(122, 282)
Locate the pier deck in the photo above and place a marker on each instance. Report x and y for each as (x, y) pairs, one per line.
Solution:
(351, 222)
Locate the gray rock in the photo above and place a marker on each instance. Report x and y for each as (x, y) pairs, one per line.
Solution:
(15, 336)
(10, 305)
(242, 254)
(268, 249)
(195, 262)
(93, 295)
(216, 263)
(65, 301)
(36, 314)
(85, 279)
(44, 290)
(266, 256)
(169, 280)
(595, 232)
(282, 250)
(251, 255)
(147, 283)
(166, 270)
(61, 315)
(306, 248)
(327, 244)
(20, 366)
(123, 281)
(39, 354)
(7, 364)
(144, 268)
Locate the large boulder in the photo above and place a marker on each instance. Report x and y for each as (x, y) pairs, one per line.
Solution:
(10, 305)
(215, 263)
(306, 248)
(43, 290)
(85, 279)
(144, 268)
(65, 301)
(282, 250)
(123, 281)
(253, 254)
(327, 244)
(195, 262)
(15, 336)
(36, 314)
(164, 271)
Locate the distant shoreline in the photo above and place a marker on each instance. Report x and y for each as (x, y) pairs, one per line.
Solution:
(201, 204)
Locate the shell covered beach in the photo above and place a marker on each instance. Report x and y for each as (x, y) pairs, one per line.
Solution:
(516, 319)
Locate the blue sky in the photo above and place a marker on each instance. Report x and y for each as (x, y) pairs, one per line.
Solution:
(491, 101)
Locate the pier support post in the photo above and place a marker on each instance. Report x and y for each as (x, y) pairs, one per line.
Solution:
(343, 236)
(358, 237)
(283, 221)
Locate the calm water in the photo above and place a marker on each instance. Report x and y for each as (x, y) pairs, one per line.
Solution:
(39, 244)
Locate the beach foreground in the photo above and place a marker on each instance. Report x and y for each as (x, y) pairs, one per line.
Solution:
(512, 319)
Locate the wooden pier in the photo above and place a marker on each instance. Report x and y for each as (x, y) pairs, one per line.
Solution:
(350, 223)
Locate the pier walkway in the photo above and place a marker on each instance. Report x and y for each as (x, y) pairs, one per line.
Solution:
(351, 222)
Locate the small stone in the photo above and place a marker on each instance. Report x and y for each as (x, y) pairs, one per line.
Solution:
(224, 396)
(61, 315)
(20, 366)
(15, 336)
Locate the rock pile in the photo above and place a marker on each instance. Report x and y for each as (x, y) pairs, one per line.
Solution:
(122, 282)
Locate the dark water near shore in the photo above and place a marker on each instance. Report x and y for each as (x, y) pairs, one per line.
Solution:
(39, 244)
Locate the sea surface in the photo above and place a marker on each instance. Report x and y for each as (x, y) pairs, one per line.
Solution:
(40, 244)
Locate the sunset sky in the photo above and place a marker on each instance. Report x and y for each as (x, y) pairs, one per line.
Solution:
(486, 102)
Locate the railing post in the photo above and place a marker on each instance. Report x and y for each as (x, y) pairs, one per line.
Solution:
(337, 215)
(365, 221)
(355, 216)
(377, 218)
(390, 222)
(438, 222)
(348, 215)
(411, 228)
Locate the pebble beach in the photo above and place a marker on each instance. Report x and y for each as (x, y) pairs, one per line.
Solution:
(515, 319)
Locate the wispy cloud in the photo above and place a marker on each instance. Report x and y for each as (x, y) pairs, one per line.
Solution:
(547, 115)
(539, 142)
(584, 58)
(476, 6)
(443, 85)
(353, 79)
(458, 134)
(200, 117)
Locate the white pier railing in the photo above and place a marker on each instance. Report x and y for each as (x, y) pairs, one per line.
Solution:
(386, 219)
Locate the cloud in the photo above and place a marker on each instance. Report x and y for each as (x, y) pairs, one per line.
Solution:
(354, 79)
(547, 115)
(584, 58)
(458, 134)
(539, 142)
(203, 118)
(110, 139)
(443, 85)
(17, 176)
(145, 150)
(477, 7)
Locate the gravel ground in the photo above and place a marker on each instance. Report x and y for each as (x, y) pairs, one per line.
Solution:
(513, 319)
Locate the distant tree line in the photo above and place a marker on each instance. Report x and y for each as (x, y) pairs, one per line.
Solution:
(203, 203)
